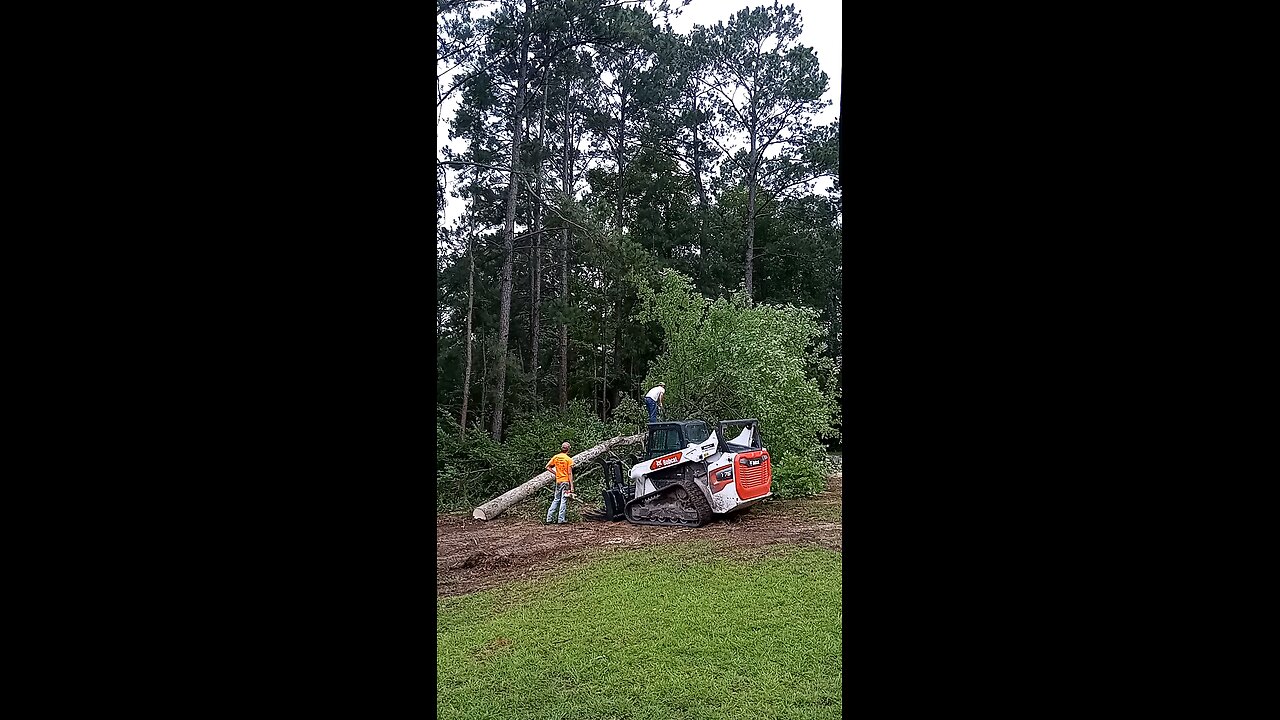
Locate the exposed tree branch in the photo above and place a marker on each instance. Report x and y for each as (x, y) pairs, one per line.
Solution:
(585, 41)
(467, 76)
(732, 105)
(455, 51)
(443, 7)
(465, 163)
(728, 154)
(775, 194)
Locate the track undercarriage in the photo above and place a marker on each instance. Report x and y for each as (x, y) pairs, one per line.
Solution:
(680, 504)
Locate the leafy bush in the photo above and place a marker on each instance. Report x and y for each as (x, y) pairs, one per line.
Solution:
(535, 436)
(799, 475)
(629, 417)
(727, 359)
(465, 469)
(476, 470)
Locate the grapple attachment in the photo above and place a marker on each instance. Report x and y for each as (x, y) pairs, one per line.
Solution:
(615, 494)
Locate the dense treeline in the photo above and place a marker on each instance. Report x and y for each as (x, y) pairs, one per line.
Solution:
(600, 148)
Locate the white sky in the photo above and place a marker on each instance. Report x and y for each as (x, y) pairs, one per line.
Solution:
(820, 30)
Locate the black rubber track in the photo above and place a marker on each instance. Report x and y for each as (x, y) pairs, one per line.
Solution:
(666, 500)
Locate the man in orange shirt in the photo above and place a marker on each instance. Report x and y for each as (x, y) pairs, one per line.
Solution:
(563, 465)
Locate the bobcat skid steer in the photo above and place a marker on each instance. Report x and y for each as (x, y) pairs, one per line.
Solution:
(687, 474)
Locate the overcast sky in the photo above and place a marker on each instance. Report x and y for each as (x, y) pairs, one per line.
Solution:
(821, 31)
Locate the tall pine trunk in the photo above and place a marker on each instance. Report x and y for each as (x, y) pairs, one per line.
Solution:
(622, 154)
(619, 317)
(703, 203)
(564, 327)
(471, 296)
(604, 351)
(484, 379)
(537, 245)
(564, 252)
(752, 164)
(509, 231)
(621, 220)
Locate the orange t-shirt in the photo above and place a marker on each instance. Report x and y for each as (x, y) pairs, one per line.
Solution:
(561, 463)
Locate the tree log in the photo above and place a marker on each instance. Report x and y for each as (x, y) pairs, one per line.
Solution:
(498, 505)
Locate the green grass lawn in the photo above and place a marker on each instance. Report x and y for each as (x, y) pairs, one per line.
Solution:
(661, 633)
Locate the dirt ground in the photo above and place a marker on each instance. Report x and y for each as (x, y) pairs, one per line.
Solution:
(474, 555)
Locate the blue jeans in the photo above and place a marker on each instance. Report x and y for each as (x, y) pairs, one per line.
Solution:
(561, 489)
(653, 408)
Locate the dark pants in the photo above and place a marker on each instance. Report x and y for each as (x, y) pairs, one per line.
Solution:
(653, 408)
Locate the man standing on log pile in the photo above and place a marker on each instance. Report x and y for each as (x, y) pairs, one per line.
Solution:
(653, 400)
(563, 465)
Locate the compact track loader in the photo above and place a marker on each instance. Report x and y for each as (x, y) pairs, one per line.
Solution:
(687, 474)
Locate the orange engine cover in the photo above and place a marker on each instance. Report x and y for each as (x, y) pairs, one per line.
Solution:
(753, 473)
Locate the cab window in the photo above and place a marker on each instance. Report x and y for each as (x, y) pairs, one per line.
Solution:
(665, 440)
(697, 432)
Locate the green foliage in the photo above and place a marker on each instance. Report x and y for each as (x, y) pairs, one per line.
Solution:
(630, 416)
(726, 359)
(801, 474)
(465, 469)
(473, 471)
(557, 649)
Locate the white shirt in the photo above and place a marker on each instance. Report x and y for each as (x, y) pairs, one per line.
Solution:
(656, 393)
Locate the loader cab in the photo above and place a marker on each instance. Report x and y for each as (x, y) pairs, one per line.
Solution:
(668, 437)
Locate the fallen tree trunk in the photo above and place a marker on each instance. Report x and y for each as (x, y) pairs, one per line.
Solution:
(503, 502)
